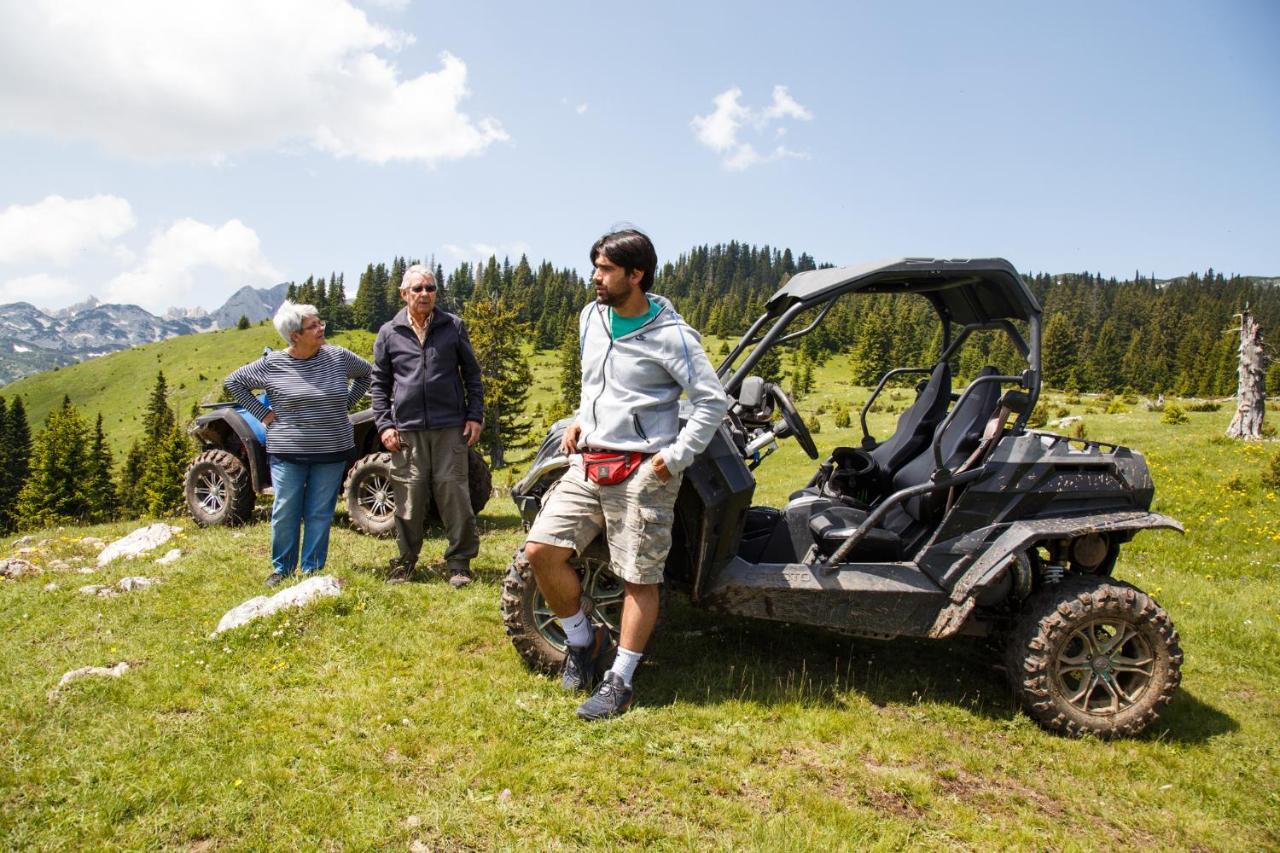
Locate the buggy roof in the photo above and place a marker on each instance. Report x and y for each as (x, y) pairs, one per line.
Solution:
(963, 290)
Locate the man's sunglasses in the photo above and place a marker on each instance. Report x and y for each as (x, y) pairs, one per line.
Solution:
(423, 288)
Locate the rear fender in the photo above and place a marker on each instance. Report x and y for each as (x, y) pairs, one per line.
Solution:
(1004, 551)
(211, 434)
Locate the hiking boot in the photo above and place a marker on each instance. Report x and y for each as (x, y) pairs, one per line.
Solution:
(582, 665)
(459, 578)
(611, 698)
(274, 579)
(400, 570)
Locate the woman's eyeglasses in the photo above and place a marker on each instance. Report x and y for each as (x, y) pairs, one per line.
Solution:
(317, 327)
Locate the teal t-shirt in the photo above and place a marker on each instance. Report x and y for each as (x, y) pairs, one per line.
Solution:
(619, 326)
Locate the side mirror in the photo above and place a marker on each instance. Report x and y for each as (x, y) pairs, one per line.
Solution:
(751, 393)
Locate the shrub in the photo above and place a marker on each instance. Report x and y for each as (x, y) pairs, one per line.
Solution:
(843, 419)
(1271, 475)
(1174, 415)
(1039, 416)
(815, 425)
(1062, 412)
(1078, 430)
(1117, 407)
(1203, 406)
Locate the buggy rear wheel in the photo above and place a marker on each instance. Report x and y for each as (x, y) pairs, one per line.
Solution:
(218, 490)
(532, 626)
(1094, 656)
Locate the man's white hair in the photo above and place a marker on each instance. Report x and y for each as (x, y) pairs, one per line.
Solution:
(421, 271)
(290, 317)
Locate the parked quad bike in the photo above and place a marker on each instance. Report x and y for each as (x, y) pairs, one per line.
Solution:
(963, 521)
(223, 481)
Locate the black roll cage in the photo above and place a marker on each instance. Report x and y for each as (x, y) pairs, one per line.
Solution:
(790, 301)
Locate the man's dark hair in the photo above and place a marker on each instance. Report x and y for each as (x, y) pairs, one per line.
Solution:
(630, 249)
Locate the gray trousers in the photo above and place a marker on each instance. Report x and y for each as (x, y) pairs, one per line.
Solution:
(433, 464)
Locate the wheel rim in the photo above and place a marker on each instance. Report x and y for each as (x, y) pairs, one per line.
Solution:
(1104, 667)
(211, 492)
(375, 496)
(602, 593)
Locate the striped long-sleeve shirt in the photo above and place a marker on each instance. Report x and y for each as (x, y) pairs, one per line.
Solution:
(310, 397)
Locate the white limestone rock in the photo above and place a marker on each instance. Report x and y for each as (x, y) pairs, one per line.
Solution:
(138, 542)
(128, 584)
(295, 596)
(131, 583)
(51, 587)
(88, 672)
(169, 557)
(16, 567)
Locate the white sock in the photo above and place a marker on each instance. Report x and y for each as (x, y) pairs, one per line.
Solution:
(577, 629)
(624, 665)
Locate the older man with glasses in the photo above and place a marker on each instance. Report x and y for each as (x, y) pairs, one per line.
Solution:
(428, 404)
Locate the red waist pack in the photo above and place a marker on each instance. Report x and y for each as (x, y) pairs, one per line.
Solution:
(611, 467)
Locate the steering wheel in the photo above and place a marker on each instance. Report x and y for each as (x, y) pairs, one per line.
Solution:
(793, 423)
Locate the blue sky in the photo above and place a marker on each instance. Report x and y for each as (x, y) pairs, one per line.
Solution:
(168, 153)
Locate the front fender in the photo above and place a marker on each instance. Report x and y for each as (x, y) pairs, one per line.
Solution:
(997, 558)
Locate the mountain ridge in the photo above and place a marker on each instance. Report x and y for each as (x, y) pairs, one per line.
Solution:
(33, 340)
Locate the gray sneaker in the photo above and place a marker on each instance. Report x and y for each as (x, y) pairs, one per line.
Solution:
(611, 698)
(274, 579)
(459, 578)
(583, 665)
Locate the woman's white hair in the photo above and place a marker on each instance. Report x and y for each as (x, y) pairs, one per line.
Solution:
(290, 317)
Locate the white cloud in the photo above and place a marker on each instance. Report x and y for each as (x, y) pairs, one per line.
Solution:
(479, 253)
(42, 290)
(153, 78)
(59, 230)
(194, 263)
(722, 129)
(582, 108)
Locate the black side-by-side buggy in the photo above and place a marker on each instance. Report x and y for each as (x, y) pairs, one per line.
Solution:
(963, 521)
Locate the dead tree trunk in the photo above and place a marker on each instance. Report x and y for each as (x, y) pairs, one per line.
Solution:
(1251, 396)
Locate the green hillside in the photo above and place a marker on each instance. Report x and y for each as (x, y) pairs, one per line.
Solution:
(401, 715)
(117, 385)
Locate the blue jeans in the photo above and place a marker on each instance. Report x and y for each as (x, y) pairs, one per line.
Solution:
(305, 498)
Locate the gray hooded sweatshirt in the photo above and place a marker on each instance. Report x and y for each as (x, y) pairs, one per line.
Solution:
(631, 387)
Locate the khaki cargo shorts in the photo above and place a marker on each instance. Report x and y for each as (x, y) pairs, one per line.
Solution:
(636, 516)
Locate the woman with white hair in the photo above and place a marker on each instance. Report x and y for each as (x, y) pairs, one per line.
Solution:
(310, 386)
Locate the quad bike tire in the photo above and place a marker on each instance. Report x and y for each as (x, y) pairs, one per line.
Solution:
(218, 489)
(1094, 656)
(371, 502)
(532, 626)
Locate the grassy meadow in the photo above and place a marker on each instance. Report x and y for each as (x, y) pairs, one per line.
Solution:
(399, 717)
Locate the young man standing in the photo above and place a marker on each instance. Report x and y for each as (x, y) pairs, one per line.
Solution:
(638, 355)
(428, 404)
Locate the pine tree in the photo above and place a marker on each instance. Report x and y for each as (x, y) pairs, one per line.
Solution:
(162, 477)
(15, 433)
(146, 475)
(1059, 353)
(497, 337)
(570, 370)
(56, 491)
(243, 322)
(103, 502)
(130, 499)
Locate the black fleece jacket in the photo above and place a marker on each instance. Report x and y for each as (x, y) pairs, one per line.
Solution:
(430, 385)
